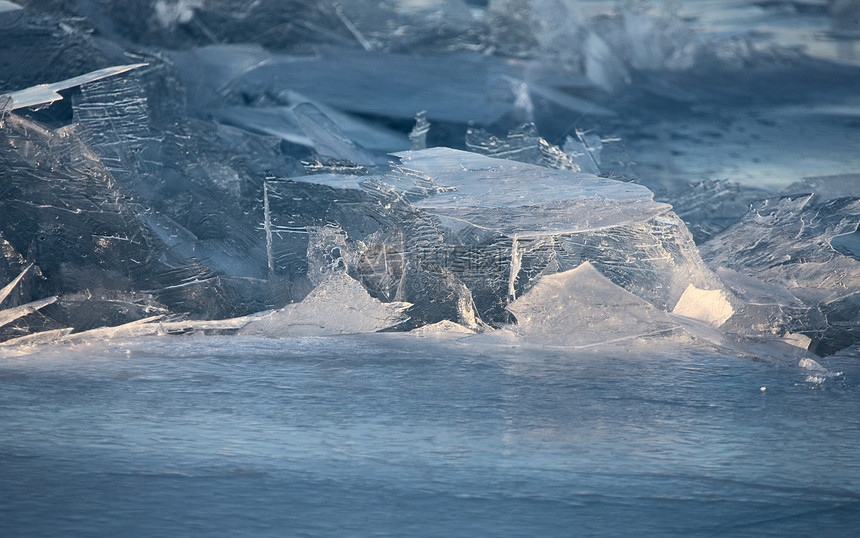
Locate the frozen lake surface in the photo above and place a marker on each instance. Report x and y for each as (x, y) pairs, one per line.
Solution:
(400, 435)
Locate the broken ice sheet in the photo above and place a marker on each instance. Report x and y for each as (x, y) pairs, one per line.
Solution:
(789, 241)
(804, 247)
(581, 307)
(530, 201)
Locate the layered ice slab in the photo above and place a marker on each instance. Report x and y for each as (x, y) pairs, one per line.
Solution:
(504, 224)
(528, 201)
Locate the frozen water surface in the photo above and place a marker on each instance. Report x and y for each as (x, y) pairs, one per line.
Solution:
(393, 434)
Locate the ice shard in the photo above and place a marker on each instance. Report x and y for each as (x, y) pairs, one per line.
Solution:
(7, 289)
(43, 337)
(710, 306)
(522, 144)
(339, 305)
(11, 314)
(48, 93)
(581, 307)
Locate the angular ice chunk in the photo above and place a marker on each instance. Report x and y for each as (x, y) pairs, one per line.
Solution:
(48, 93)
(709, 207)
(789, 241)
(530, 201)
(710, 306)
(767, 308)
(797, 340)
(11, 314)
(581, 307)
(339, 305)
(499, 225)
(805, 247)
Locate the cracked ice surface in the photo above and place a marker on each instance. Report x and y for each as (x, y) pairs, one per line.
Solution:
(526, 200)
(239, 172)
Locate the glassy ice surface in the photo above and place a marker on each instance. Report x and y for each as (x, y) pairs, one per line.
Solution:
(383, 434)
(506, 267)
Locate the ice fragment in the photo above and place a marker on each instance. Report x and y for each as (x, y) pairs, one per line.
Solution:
(581, 307)
(48, 93)
(710, 306)
(339, 305)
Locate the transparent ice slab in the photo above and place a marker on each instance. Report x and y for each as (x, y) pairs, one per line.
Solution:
(526, 200)
(581, 307)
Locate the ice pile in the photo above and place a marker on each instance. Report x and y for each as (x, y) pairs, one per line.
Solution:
(304, 168)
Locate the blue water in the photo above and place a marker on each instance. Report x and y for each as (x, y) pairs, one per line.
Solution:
(397, 435)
